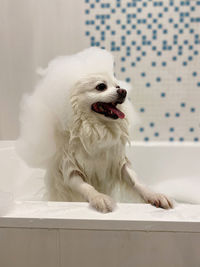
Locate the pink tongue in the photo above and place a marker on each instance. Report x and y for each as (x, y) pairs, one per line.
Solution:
(117, 112)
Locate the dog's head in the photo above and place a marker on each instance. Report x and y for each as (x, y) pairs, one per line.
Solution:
(83, 83)
(87, 81)
(100, 94)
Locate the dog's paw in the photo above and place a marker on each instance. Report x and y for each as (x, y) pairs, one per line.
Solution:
(102, 203)
(159, 200)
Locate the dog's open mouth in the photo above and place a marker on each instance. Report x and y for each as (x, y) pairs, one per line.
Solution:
(108, 110)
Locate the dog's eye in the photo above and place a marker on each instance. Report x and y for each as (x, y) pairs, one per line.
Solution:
(101, 87)
(117, 86)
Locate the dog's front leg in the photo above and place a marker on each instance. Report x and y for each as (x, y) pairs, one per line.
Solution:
(158, 200)
(99, 201)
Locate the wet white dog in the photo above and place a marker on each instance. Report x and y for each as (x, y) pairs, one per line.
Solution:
(76, 126)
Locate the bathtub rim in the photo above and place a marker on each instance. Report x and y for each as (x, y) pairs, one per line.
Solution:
(6, 144)
(96, 220)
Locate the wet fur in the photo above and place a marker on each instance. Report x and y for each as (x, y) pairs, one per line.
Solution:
(83, 152)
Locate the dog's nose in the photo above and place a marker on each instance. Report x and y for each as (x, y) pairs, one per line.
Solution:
(121, 93)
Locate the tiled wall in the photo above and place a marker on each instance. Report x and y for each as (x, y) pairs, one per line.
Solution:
(157, 49)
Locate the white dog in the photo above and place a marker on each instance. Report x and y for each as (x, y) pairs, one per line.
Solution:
(76, 126)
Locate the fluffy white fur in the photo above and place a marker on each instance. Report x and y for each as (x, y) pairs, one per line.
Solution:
(82, 151)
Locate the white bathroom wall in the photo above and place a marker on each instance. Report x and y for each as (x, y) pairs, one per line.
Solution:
(32, 33)
(156, 44)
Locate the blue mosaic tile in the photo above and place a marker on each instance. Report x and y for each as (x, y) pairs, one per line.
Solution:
(167, 114)
(163, 94)
(182, 104)
(148, 84)
(153, 38)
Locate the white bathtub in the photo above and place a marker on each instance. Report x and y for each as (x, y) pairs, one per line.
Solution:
(36, 233)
